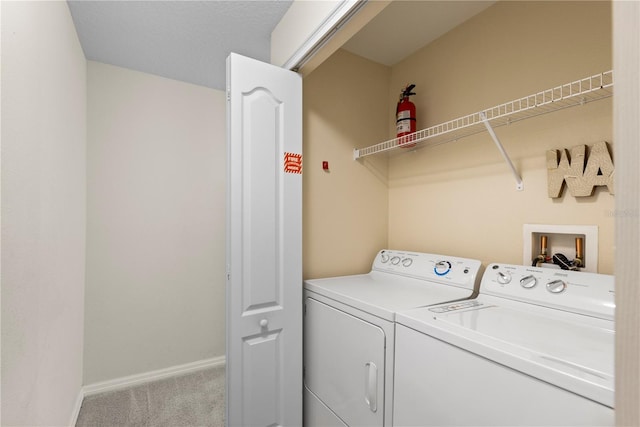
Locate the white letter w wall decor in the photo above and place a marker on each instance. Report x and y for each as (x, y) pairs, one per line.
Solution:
(562, 167)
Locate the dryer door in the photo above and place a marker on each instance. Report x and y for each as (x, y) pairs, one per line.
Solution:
(344, 363)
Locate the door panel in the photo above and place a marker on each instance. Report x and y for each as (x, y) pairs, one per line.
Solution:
(261, 385)
(264, 245)
(262, 234)
(345, 364)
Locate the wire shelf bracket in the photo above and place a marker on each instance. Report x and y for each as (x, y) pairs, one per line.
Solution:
(514, 172)
(579, 92)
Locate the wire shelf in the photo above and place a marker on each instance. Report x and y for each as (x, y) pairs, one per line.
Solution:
(579, 92)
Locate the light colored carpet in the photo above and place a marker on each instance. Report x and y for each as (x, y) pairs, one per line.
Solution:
(195, 399)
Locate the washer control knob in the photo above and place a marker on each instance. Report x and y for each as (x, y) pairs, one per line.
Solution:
(384, 257)
(442, 268)
(556, 286)
(407, 262)
(395, 260)
(528, 282)
(504, 277)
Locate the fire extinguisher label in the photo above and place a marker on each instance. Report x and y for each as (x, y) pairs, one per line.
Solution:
(403, 126)
(406, 114)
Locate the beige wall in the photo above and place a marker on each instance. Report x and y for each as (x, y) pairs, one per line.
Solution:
(345, 209)
(156, 161)
(460, 198)
(43, 213)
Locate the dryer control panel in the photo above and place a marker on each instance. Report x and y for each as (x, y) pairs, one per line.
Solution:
(455, 271)
(575, 291)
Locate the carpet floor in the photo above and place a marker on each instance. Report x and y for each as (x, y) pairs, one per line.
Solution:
(195, 399)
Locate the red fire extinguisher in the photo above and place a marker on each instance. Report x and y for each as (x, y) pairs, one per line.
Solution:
(406, 117)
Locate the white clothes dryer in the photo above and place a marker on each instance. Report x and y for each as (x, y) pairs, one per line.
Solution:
(536, 347)
(349, 332)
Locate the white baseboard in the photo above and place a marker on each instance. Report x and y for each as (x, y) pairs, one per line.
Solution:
(133, 380)
(137, 379)
(76, 408)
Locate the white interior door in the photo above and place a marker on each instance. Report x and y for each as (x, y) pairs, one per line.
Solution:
(264, 245)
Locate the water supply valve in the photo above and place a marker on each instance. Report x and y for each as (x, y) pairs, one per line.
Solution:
(560, 259)
(576, 245)
(542, 258)
(579, 259)
(565, 263)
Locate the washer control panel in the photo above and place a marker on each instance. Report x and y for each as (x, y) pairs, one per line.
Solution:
(575, 291)
(456, 271)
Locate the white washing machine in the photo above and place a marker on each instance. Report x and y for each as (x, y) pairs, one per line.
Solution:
(536, 347)
(349, 332)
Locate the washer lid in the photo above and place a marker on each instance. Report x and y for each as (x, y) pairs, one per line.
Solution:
(572, 351)
(383, 294)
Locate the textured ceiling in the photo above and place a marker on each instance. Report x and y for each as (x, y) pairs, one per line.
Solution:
(182, 40)
(190, 40)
